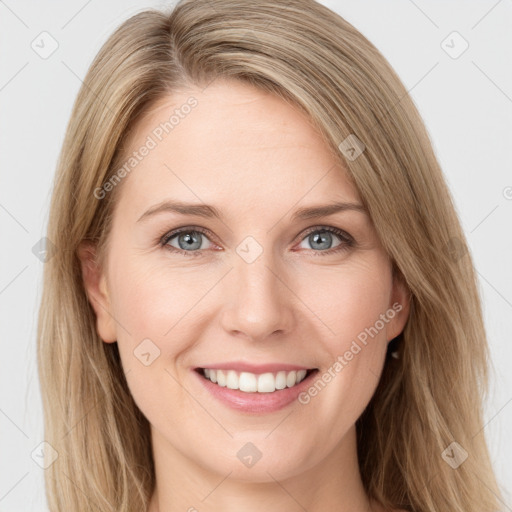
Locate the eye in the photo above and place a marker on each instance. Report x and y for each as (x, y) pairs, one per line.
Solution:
(189, 241)
(320, 237)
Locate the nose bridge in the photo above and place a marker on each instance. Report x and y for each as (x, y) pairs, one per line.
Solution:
(259, 302)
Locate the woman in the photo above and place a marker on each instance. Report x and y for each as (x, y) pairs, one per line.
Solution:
(266, 371)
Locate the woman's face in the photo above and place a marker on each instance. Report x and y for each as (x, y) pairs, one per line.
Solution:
(260, 289)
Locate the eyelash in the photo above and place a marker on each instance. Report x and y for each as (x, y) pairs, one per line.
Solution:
(346, 240)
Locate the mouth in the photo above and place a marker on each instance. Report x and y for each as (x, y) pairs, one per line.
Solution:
(248, 382)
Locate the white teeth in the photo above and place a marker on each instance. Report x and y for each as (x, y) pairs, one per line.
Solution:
(291, 378)
(221, 378)
(232, 380)
(251, 383)
(281, 380)
(248, 382)
(266, 383)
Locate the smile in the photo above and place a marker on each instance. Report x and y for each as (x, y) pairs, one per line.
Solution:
(266, 389)
(254, 383)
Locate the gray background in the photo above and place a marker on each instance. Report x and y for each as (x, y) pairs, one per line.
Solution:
(466, 103)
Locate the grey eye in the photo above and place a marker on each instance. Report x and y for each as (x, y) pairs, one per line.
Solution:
(320, 239)
(187, 240)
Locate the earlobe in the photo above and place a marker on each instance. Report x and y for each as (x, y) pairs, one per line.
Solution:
(400, 303)
(97, 292)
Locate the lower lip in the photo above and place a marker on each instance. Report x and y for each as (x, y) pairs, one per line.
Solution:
(255, 402)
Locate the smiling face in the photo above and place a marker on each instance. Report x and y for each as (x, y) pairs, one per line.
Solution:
(261, 284)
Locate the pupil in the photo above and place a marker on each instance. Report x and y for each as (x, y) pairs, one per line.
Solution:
(322, 238)
(189, 241)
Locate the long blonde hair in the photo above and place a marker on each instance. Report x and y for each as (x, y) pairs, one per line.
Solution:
(428, 398)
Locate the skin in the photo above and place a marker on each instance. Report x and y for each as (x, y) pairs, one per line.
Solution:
(256, 159)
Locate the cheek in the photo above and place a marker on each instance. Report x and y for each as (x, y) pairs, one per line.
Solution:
(161, 311)
(152, 310)
(354, 305)
(154, 301)
(168, 303)
(349, 299)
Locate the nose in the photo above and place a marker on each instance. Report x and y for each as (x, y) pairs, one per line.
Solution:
(258, 301)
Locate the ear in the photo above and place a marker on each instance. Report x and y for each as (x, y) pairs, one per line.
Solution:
(95, 284)
(400, 303)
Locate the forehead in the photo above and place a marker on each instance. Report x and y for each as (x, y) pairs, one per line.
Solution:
(230, 142)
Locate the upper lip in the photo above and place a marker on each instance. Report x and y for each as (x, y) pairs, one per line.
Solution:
(241, 366)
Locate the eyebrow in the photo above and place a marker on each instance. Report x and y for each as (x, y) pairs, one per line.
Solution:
(208, 211)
